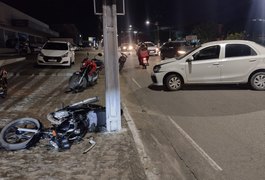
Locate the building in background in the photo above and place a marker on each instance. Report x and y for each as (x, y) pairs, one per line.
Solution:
(17, 27)
(69, 31)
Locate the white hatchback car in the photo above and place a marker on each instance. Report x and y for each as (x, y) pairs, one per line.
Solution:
(56, 53)
(218, 62)
(152, 48)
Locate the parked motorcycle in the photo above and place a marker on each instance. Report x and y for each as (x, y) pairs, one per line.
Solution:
(122, 60)
(87, 75)
(69, 124)
(3, 83)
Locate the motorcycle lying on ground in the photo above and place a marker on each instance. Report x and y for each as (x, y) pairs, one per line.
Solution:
(69, 124)
(3, 83)
(122, 60)
(87, 75)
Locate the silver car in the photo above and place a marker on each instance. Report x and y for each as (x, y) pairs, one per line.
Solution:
(218, 62)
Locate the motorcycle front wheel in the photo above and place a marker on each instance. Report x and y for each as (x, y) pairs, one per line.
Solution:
(74, 82)
(20, 134)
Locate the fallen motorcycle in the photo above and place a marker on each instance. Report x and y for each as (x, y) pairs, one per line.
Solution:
(69, 124)
(88, 74)
(3, 83)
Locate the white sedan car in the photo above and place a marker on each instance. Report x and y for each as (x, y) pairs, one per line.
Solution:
(218, 62)
(56, 53)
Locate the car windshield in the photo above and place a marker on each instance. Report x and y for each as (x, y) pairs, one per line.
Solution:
(56, 46)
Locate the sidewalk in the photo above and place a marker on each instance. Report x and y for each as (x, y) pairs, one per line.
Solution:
(114, 156)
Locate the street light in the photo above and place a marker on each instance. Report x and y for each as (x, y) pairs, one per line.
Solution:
(147, 22)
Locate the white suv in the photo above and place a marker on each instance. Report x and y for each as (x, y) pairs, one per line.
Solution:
(218, 62)
(57, 53)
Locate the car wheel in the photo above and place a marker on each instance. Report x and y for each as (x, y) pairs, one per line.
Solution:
(257, 81)
(173, 82)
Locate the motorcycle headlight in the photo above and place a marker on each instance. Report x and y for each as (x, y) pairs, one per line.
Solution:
(65, 55)
(156, 68)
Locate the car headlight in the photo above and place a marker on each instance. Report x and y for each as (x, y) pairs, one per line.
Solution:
(65, 55)
(156, 68)
(181, 52)
(130, 47)
(41, 54)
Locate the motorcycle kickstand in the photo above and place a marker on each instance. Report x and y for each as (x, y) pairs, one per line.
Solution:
(92, 144)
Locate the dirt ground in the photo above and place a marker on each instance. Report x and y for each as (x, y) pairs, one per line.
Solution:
(113, 157)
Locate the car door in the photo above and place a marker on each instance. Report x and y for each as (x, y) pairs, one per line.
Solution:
(204, 66)
(239, 61)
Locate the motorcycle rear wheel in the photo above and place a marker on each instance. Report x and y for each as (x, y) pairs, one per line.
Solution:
(11, 138)
(74, 82)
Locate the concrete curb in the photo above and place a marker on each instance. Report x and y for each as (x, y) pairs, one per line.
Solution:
(145, 159)
(10, 61)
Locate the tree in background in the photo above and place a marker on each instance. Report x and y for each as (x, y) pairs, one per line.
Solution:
(206, 32)
(236, 35)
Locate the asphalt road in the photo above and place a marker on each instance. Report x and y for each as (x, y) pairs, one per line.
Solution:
(207, 132)
(200, 132)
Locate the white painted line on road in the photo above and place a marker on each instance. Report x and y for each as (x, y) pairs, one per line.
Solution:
(139, 145)
(197, 147)
(136, 83)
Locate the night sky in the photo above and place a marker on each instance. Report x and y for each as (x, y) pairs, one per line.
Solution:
(175, 13)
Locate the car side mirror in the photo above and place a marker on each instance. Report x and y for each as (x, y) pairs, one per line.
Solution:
(190, 59)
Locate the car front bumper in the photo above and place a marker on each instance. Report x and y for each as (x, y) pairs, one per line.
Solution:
(157, 79)
(53, 61)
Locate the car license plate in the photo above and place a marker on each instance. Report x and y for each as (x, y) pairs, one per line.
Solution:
(52, 60)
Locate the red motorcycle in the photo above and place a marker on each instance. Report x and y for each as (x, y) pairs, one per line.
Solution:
(143, 57)
(88, 74)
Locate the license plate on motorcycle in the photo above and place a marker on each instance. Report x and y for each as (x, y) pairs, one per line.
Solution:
(144, 61)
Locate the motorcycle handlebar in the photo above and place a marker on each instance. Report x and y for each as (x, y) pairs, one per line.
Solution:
(86, 101)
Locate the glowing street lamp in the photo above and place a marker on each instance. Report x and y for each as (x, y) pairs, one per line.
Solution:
(147, 22)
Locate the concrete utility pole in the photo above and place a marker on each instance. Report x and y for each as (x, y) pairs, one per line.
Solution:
(112, 93)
